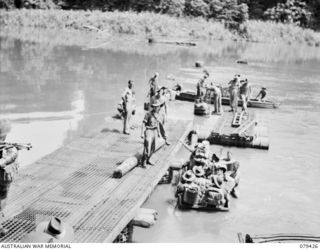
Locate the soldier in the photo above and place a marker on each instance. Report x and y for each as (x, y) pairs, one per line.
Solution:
(262, 94)
(154, 87)
(200, 85)
(245, 91)
(217, 100)
(149, 132)
(8, 167)
(128, 103)
(233, 91)
(163, 112)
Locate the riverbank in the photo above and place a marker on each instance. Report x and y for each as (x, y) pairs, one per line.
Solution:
(145, 25)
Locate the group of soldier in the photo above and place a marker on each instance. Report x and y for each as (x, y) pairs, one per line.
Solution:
(207, 173)
(153, 124)
(236, 88)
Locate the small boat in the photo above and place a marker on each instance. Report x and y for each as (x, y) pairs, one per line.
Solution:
(253, 103)
(187, 95)
(278, 238)
(190, 95)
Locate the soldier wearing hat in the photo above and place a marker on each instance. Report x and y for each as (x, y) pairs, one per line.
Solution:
(163, 112)
(262, 94)
(8, 167)
(51, 231)
(128, 106)
(217, 97)
(233, 91)
(149, 132)
(245, 92)
(200, 85)
(154, 86)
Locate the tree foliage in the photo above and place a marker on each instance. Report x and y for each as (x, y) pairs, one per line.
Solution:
(292, 11)
(231, 12)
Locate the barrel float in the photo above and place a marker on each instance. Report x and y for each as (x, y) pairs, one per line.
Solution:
(190, 195)
(144, 220)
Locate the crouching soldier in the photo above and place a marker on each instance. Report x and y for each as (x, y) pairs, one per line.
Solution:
(8, 168)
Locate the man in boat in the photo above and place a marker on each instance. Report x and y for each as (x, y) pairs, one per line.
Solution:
(245, 92)
(150, 132)
(228, 183)
(233, 168)
(217, 100)
(233, 91)
(8, 168)
(262, 94)
(128, 106)
(154, 85)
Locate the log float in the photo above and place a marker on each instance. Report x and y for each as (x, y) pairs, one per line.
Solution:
(133, 161)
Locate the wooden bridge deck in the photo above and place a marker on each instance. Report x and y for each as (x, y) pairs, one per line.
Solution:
(75, 184)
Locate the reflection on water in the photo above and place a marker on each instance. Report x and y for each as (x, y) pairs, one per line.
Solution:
(54, 93)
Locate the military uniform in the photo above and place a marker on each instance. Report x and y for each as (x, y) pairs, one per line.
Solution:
(217, 100)
(127, 100)
(154, 87)
(233, 91)
(244, 95)
(8, 169)
(151, 132)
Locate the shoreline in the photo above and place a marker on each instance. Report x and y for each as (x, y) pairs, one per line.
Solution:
(100, 26)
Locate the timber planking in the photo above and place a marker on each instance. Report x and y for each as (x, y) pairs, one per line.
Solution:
(75, 184)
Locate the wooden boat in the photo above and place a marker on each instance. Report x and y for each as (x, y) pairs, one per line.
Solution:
(187, 95)
(253, 103)
(190, 95)
(278, 238)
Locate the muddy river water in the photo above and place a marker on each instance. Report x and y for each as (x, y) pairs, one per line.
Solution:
(54, 93)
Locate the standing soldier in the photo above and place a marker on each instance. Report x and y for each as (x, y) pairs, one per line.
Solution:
(149, 132)
(245, 92)
(153, 84)
(127, 100)
(233, 91)
(200, 85)
(217, 100)
(163, 113)
(8, 167)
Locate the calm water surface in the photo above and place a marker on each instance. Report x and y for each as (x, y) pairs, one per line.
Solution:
(54, 93)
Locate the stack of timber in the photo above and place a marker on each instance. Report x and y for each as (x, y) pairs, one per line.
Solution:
(75, 184)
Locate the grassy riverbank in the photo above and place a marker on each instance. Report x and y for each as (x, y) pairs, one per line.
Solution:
(147, 24)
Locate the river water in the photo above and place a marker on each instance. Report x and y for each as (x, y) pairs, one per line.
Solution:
(54, 93)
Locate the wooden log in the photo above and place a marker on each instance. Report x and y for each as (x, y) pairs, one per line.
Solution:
(133, 161)
(126, 166)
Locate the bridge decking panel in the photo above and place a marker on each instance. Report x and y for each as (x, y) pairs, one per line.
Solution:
(75, 184)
